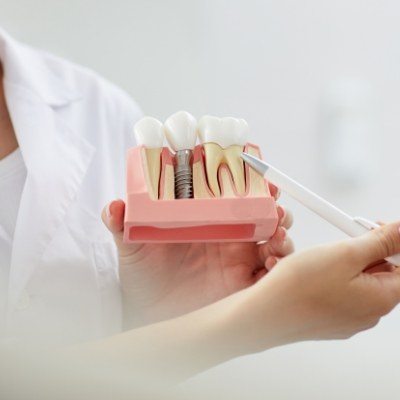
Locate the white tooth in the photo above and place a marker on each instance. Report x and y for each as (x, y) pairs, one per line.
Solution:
(209, 130)
(223, 131)
(231, 135)
(180, 131)
(235, 130)
(149, 133)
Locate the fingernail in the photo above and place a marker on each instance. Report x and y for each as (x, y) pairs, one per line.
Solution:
(108, 210)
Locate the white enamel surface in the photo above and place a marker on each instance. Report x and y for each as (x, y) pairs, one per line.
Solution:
(181, 131)
(226, 131)
(149, 132)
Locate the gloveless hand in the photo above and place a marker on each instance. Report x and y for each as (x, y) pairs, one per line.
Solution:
(161, 281)
(327, 292)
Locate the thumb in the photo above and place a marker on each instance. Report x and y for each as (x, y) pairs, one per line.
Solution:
(113, 217)
(377, 244)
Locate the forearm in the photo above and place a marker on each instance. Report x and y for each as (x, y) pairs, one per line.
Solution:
(175, 349)
(131, 317)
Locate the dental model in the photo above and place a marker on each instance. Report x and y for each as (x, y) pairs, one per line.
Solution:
(180, 130)
(202, 193)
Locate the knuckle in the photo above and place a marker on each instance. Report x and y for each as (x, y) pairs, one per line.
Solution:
(347, 335)
(386, 306)
(288, 219)
(386, 242)
(350, 332)
(382, 306)
(369, 323)
(361, 325)
(289, 246)
(373, 323)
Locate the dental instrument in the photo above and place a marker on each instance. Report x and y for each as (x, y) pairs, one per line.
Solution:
(352, 226)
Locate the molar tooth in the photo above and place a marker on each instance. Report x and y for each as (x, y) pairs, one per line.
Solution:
(223, 140)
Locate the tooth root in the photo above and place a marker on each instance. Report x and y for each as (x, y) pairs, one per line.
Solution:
(213, 157)
(167, 180)
(200, 186)
(153, 164)
(167, 191)
(225, 181)
(255, 182)
(236, 167)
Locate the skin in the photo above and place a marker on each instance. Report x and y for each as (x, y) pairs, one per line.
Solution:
(326, 292)
(331, 291)
(8, 140)
(161, 281)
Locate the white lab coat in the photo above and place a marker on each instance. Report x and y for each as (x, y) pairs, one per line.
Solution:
(73, 129)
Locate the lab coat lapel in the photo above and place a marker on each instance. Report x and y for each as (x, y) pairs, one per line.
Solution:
(56, 157)
(56, 161)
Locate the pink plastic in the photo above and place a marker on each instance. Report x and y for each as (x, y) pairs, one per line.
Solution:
(241, 219)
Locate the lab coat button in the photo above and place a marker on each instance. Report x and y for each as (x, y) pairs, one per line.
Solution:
(23, 302)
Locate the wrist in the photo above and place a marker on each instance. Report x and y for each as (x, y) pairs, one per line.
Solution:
(263, 318)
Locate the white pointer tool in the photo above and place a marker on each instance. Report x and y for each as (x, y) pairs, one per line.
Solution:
(352, 226)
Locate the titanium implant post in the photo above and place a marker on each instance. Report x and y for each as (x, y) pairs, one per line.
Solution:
(183, 174)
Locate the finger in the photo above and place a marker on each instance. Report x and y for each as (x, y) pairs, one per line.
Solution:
(274, 190)
(285, 217)
(271, 262)
(388, 288)
(279, 245)
(113, 216)
(380, 267)
(260, 273)
(376, 245)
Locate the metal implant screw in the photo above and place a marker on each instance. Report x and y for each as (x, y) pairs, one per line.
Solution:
(183, 174)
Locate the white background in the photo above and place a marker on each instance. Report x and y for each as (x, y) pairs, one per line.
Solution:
(273, 63)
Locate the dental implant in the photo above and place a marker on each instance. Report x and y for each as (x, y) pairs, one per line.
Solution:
(183, 174)
(181, 132)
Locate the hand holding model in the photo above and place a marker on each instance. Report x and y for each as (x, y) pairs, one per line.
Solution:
(165, 280)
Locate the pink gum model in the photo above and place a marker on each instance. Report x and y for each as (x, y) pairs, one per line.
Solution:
(239, 219)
